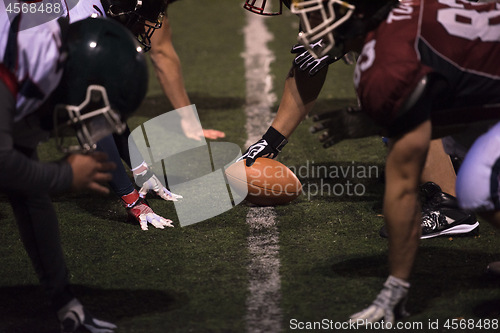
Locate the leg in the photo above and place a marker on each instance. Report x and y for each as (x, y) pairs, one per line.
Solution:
(402, 211)
(441, 214)
(439, 169)
(39, 230)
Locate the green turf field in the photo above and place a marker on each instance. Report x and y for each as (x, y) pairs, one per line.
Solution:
(195, 279)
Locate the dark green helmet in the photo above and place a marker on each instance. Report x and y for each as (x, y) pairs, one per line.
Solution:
(104, 80)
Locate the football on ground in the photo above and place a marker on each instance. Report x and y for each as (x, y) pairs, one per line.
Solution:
(266, 183)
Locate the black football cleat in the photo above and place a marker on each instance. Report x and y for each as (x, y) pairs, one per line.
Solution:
(74, 318)
(441, 214)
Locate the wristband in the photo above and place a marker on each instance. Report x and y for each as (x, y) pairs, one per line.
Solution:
(275, 139)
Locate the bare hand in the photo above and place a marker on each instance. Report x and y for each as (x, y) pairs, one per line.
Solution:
(193, 131)
(90, 170)
(213, 134)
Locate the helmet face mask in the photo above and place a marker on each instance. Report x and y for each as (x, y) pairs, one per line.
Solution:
(319, 19)
(259, 7)
(141, 17)
(91, 121)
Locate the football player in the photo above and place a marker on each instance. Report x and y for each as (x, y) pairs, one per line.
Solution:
(433, 84)
(144, 18)
(45, 71)
(302, 87)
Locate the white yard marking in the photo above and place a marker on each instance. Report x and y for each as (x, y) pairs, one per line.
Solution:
(263, 304)
(259, 82)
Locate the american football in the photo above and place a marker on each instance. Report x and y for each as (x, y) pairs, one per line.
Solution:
(268, 182)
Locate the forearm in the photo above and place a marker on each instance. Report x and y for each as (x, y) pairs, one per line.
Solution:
(300, 94)
(20, 174)
(167, 67)
(169, 73)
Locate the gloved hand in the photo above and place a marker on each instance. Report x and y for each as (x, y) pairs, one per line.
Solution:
(347, 123)
(269, 146)
(138, 209)
(144, 214)
(389, 304)
(150, 182)
(306, 62)
(73, 316)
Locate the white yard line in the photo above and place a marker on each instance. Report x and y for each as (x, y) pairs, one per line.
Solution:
(259, 82)
(263, 303)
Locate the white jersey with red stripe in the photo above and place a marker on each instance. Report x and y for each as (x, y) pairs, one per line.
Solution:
(31, 58)
(84, 9)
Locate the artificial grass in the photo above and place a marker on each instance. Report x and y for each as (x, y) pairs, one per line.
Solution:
(194, 279)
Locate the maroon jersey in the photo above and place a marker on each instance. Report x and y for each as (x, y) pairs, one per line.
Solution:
(456, 38)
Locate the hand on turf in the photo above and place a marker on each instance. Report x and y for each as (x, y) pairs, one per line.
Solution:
(190, 127)
(74, 317)
(306, 62)
(213, 134)
(389, 304)
(90, 170)
(269, 146)
(154, 184)
(144, 215)
(347, 123)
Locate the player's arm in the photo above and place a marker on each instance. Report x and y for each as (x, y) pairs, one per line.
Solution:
(300, 94)
(19, 173)
(167, 66)
(168, 70)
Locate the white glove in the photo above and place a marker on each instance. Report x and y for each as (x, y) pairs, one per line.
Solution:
(144, 214)
(390, 303)
(154, 184)
(156, 220)
(73, 316)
